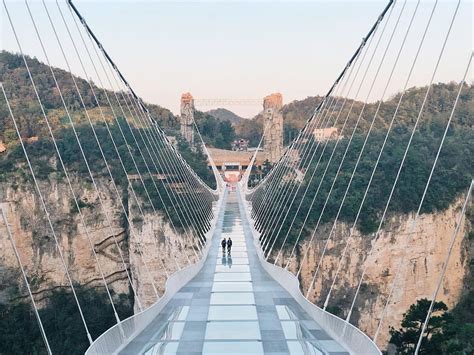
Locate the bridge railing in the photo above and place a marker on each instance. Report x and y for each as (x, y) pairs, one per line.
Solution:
(350, 337)
(119, 336)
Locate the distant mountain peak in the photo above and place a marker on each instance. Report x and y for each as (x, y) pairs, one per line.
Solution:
(223, 114)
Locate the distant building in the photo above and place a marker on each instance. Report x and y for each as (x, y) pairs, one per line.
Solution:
(3, 147)
(240, 145)
(324, 134)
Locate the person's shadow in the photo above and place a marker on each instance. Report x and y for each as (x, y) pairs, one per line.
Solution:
(224, 260)
(229, 261)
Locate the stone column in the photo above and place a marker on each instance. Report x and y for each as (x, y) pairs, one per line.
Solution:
(273, 140)
(187, 117)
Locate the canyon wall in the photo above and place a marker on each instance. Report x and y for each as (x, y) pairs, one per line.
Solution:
(418, 256)
(118, 242)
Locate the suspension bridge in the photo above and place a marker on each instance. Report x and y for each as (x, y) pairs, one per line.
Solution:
(189, 296)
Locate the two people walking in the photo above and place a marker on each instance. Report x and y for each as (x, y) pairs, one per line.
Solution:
(227, 244)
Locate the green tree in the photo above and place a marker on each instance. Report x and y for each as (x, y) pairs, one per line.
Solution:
(435, 336)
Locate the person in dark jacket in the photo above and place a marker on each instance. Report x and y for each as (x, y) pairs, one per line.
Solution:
(223, 244)
(229, 245)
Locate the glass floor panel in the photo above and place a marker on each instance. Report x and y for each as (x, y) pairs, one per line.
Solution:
(302, 347)
(239, 248)
(292, 330)
(232, 268)
(284, 313)
(232, 276)
(232, 261)
(238, 254)
(232, 313)
(233, 347)
(232, 287)
(232, 298)
(172, 331)
(233, 330)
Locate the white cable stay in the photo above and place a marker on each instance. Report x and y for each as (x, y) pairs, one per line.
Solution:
(352, 59)
(341, 204)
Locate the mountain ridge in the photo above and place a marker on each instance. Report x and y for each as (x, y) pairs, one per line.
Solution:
(223, 114)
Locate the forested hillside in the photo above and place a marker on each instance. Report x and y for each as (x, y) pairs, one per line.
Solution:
(216, 132)
(455, 167)
(38, 141)
(17, 84)
(296, 113)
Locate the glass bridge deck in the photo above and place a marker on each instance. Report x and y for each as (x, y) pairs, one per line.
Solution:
(233, 307)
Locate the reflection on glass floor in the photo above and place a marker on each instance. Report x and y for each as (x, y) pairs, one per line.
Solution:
(233, 307)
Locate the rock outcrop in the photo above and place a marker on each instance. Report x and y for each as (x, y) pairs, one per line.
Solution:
(152, 235)
(423, 254)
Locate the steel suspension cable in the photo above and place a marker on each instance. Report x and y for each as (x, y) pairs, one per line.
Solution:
(169, 165)
(286, 167)
(165, 167)
(313, 174)
(418, 212)
(66, 174)
(290, 194)
(42, 201)
(147, 269)
(245, 177)
(354, 224)
(319, 160)
(122, 78)
(110, 132)
(111, 135)
(356, 53)
(283, 192)
(109, 60)
(370, 36)
(361, 152)
(386, 139)
(405, 153)
(122, 110)
(334, 149)
(345, 153)
(284, 164)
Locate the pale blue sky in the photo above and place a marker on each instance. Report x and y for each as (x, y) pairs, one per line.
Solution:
(247, 49)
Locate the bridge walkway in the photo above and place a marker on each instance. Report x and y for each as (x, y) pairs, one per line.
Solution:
(233, 306)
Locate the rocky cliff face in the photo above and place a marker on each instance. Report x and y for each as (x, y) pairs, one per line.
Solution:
(423, 252)
(118, 243)
(155, 253)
